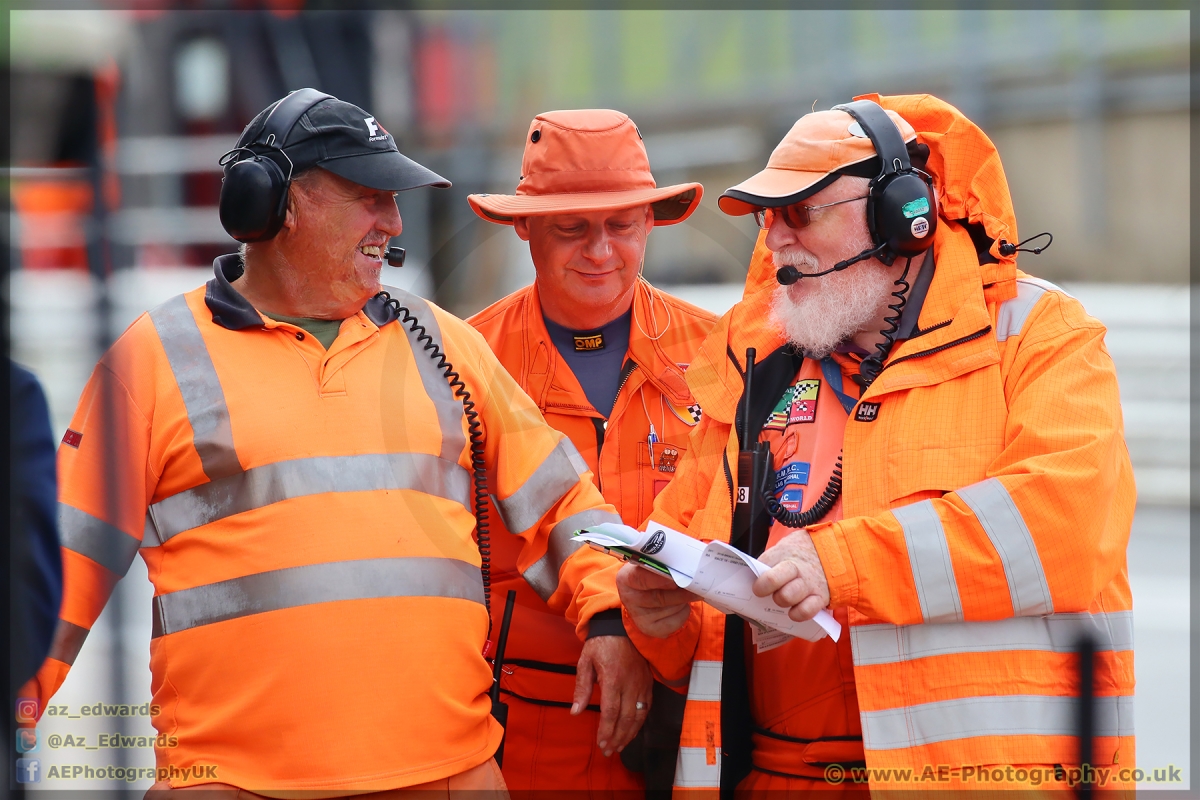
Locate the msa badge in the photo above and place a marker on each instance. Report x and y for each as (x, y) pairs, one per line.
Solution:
(589, 341)
(867, 412)
(73, 438)
(657, 541)
(920, 227)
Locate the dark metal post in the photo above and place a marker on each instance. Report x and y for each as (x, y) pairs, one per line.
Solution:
(1086, 714)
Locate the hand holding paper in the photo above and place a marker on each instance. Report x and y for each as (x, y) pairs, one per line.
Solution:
(796, 579)
(719, 574)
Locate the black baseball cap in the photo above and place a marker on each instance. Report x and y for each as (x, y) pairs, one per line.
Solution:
(347, 141)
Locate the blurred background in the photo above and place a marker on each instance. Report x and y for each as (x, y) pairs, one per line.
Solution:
(119, 117)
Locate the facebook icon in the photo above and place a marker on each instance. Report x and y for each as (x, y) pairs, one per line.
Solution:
(29, 770)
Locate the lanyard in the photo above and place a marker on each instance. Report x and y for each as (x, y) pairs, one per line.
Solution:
(833, 376)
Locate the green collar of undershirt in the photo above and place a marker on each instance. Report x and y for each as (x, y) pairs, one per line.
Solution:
(323, 330)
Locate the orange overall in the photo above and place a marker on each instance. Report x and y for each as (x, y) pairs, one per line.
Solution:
(545, 747)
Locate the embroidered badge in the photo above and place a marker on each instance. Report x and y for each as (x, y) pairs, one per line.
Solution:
(589, 341)
(72, 438)
(794, 474)
(667, 459)
(798, 404)
(867, 412)
(792, 499)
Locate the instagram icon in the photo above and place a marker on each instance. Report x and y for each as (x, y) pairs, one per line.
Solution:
(27, 709)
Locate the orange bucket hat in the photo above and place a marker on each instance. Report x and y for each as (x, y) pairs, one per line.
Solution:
(819, 148)
(586, 160)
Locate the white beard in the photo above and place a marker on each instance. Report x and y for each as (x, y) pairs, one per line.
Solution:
(818, 314)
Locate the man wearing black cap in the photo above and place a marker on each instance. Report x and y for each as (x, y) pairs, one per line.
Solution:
(300, 477)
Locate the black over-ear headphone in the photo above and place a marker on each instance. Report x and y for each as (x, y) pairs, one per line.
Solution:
(254, 191)
(902, 207)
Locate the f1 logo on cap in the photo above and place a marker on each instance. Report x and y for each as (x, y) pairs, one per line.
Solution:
(374, 130)
(867, 412)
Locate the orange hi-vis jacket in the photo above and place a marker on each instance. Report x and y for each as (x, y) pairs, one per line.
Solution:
(616, 451)
(986, 506)
(306, 519)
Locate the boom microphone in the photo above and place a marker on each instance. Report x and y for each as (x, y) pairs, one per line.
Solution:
(787, 275)
(395, 256)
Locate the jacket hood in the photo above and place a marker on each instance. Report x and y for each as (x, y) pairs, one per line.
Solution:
(972, 193)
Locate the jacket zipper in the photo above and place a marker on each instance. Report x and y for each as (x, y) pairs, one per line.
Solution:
(601, 423)
(939, 348)
(728, 481)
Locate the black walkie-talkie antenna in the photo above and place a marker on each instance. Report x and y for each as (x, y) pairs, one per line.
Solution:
(750, 355)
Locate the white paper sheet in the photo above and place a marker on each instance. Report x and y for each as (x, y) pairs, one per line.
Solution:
(718, 573)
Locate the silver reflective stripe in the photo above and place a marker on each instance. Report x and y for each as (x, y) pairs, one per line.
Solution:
(542, 575)
(1013, 313)
(433, 378)
(302, 477)
(1004, 525)
(68, 641)
(107, 545)
(366, 579)
(692, 770)
(198, 383)
(556, 476)
(929, 558)
(1007, 715)
(1057, 633)
(705, 683)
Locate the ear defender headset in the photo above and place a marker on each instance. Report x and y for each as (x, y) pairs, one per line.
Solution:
(254, 191)
(901, 204)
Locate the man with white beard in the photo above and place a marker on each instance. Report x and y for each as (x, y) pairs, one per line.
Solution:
(931, 447)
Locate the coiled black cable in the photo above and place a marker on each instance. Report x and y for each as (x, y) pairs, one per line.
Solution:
(802, 519)
(475, 432)
(872, 365)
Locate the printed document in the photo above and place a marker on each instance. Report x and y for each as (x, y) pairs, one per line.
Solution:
(716, 572)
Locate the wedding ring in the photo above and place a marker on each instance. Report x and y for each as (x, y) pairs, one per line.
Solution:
(639, 705)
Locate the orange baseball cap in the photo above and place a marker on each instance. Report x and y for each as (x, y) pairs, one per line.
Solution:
(586, 160)
(820, 148)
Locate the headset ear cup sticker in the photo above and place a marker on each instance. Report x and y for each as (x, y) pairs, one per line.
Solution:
(919, 227)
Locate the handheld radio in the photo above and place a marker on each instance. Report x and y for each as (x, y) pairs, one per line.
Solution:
(751, 522)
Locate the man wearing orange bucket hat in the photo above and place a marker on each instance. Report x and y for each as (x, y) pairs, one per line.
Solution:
(603, 354)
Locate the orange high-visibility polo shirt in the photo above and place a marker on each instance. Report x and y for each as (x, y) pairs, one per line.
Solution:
(306, 519)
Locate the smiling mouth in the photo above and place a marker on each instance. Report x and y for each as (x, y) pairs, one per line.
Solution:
(374, 251)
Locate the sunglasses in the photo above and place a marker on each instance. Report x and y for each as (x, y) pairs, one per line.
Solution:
(794, 216)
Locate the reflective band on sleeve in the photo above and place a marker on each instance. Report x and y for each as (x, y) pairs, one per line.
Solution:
(1013, 313)
(68, 641)
(705, 683)
(433, 378)
(929, 558)
(1007, 715)
(1057, 633)
(366, 579)
(1002, 521)
(107, 545)
(542, 575)
(302, 477)
(692, 770)
(556, 476)
(198, 383)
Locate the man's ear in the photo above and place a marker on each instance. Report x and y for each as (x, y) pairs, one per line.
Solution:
(649, 218)
(293, 200)
(521, 226)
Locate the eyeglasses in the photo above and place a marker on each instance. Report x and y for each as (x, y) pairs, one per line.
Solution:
(794, 216)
